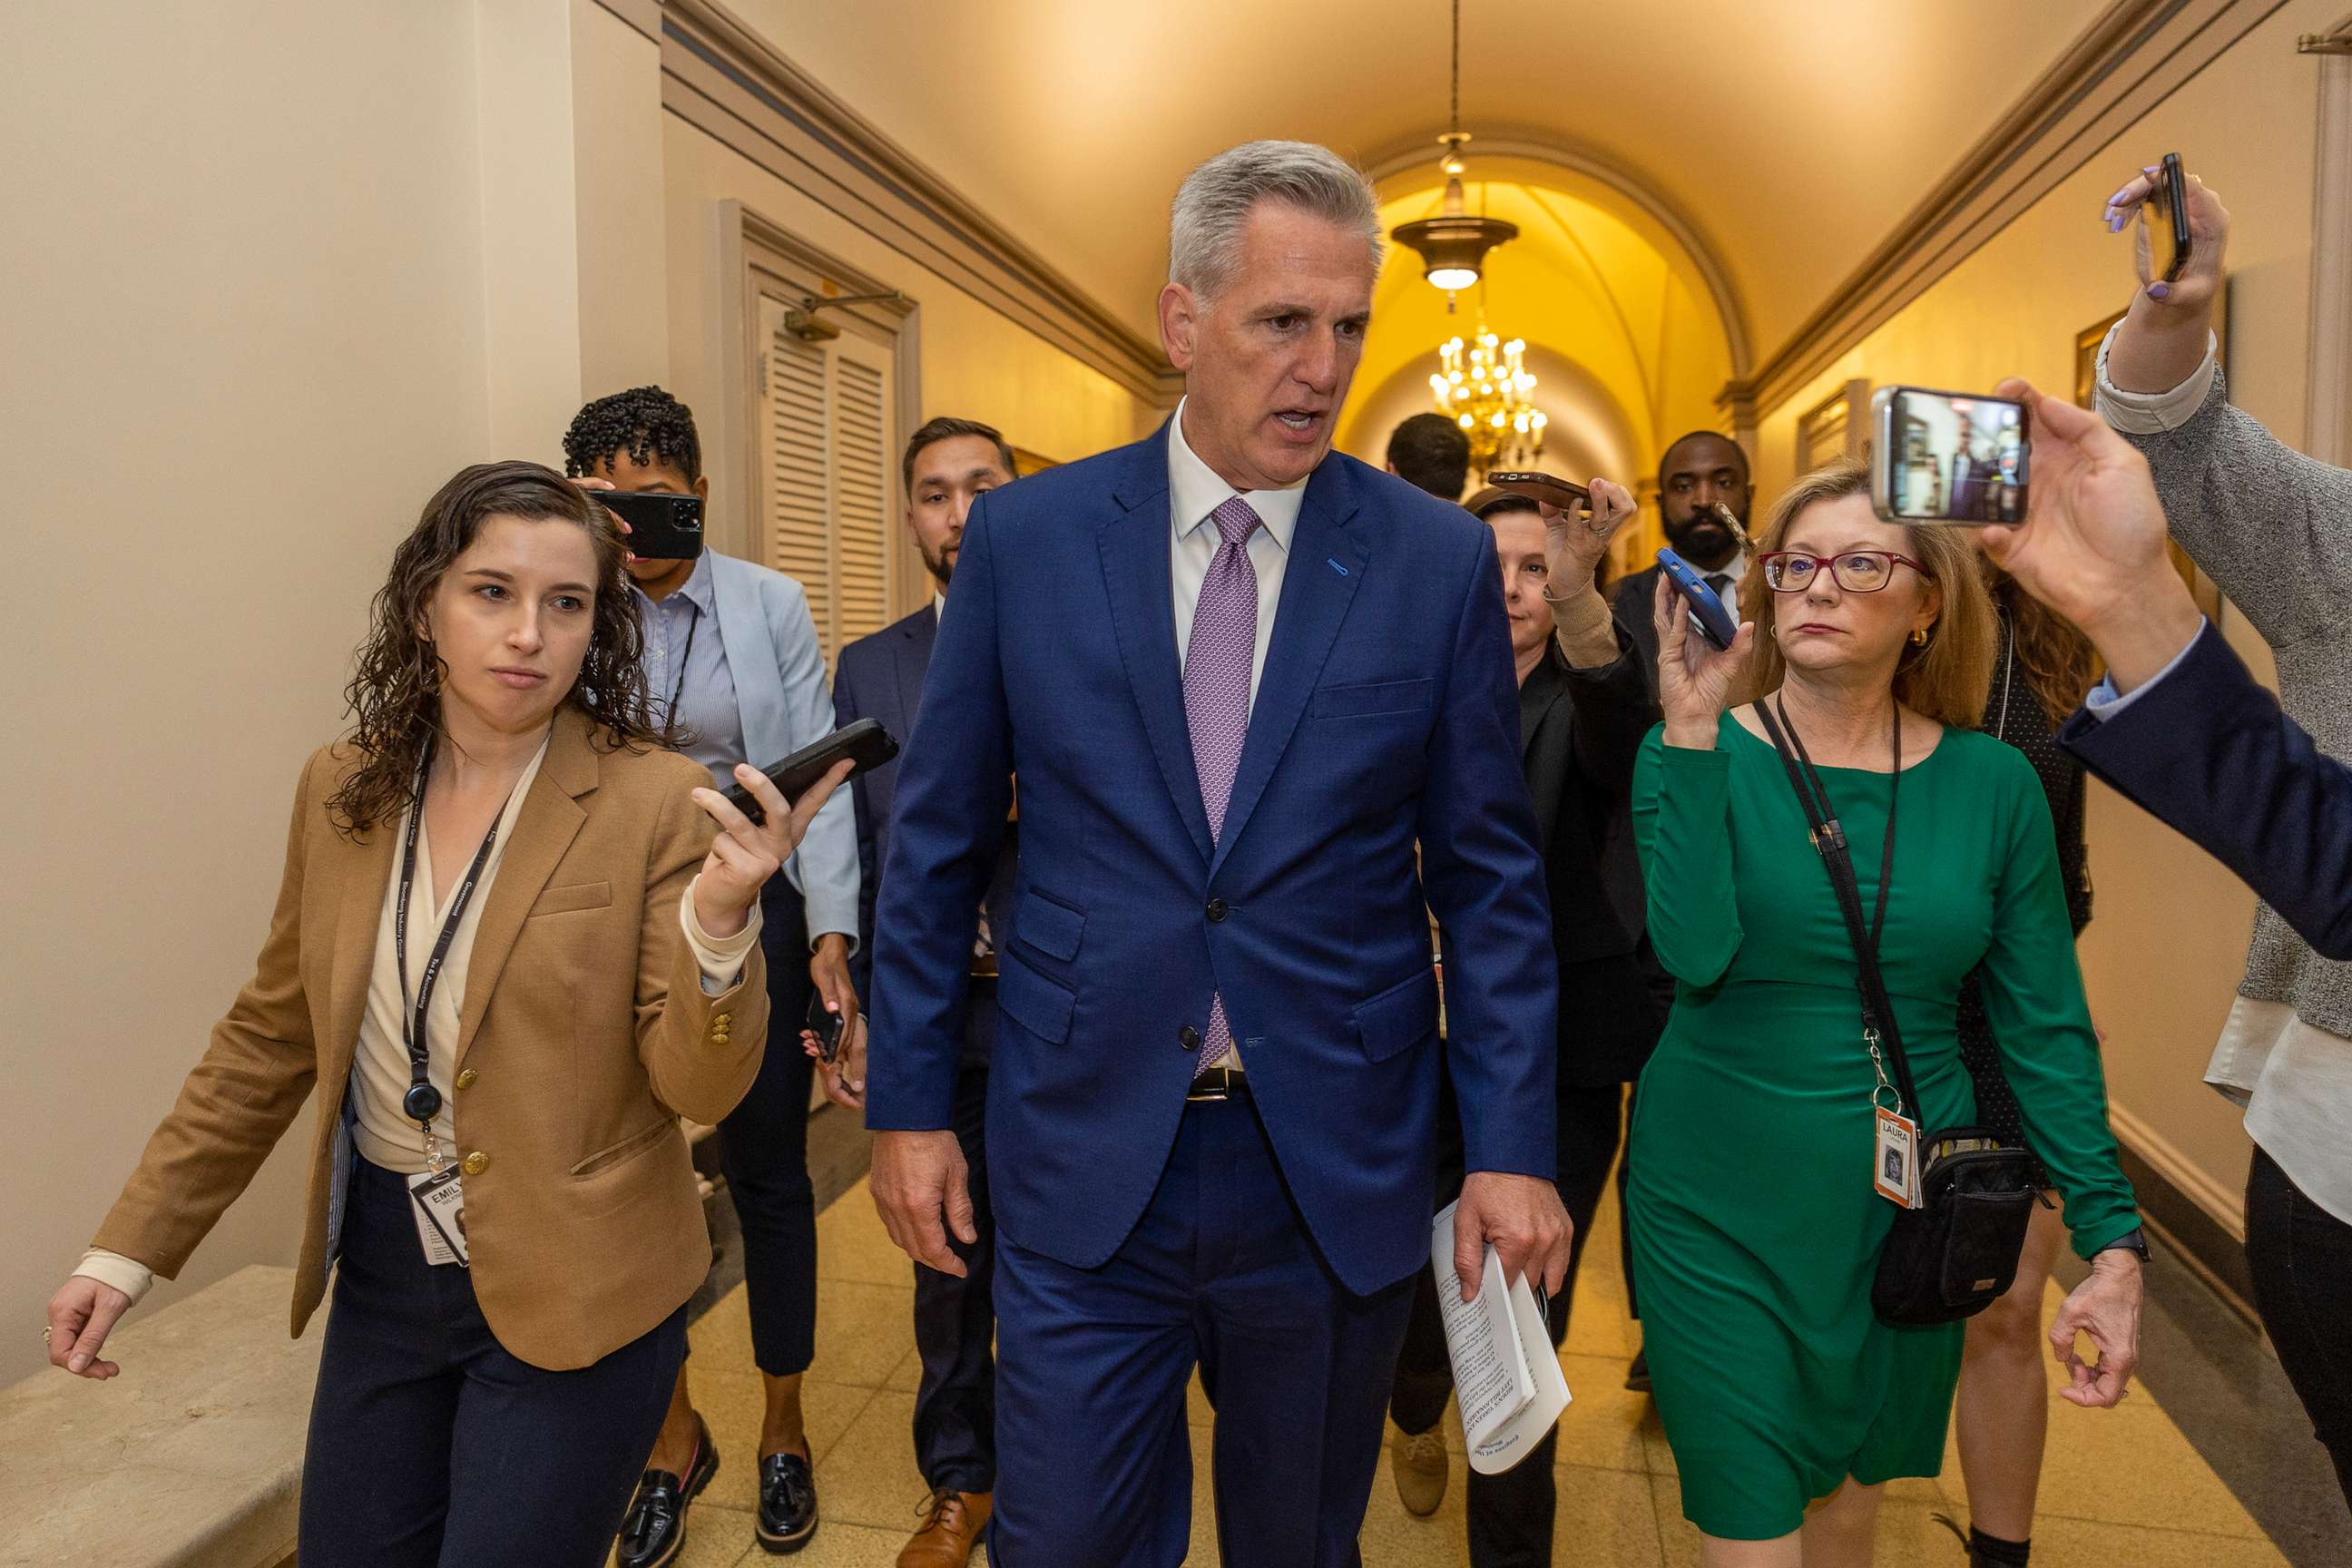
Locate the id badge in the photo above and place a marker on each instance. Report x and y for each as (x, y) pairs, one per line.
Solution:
(439, 1203)
(1895, 1167)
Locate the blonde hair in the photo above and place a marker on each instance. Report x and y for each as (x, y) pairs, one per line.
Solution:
(1945, 681)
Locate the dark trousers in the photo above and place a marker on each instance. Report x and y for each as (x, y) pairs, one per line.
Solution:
(955, 1320)
(2301, 1258)
(763, 1150)
(1092, 1366)
(1510, 1513)
(430, 1444)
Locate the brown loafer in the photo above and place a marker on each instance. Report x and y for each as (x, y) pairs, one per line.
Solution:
(952, 1525)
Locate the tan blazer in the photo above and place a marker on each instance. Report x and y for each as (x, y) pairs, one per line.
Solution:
(584, 1034)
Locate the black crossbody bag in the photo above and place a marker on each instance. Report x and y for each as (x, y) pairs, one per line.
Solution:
(1955, 1254)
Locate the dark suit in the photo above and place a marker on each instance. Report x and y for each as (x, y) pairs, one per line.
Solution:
(1970, 478)
(2208, 752)
(1580, 733)
(881, 676)
(1271, 1237)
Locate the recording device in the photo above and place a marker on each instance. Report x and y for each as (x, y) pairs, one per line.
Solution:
(826, 1026)
(2165, 216)
(1707, 615)
(865, 743)
(662, 526)
(1557, 494)
(1948, 456)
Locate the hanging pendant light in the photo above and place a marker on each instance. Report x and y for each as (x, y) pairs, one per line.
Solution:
(1453, 245)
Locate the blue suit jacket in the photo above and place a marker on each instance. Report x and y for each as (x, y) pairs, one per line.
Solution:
(2208, 752)
(1387, 717)
(881, 676)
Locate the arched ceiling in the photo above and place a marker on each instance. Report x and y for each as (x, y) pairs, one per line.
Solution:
(1792, 137)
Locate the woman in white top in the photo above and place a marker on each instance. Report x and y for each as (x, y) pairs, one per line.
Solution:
(514, 948)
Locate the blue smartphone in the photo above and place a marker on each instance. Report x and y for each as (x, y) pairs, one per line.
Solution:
(1716, 624)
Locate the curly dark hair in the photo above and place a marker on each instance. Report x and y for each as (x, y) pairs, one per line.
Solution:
(646, 422)
(395, 696)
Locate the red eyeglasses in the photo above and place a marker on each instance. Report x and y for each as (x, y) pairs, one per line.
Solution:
(1856, 571)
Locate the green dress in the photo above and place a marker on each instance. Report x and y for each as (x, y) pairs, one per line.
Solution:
(1755, 1227)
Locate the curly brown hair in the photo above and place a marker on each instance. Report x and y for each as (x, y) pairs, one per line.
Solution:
(2058, 661)
(395, 696)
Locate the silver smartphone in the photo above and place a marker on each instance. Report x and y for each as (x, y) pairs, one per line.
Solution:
(1948, 456)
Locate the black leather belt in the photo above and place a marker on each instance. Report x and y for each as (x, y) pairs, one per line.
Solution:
(1218, 1084)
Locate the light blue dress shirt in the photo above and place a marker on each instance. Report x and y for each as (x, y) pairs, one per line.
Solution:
(686, 663)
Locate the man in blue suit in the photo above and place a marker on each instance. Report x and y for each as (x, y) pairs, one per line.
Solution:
(948, 464)
(1241, 678)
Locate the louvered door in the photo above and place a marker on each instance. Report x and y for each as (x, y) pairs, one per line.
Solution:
(829, 439)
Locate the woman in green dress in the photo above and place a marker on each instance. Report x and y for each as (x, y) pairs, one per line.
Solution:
(1754, 1223)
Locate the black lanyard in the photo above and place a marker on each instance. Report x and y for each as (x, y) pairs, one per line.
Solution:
(1818, 797)
(693, 624)
(422, 1103)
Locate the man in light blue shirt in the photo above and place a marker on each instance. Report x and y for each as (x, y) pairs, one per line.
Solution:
(732, 655)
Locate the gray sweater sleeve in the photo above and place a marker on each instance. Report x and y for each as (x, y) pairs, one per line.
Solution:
(2271, 526)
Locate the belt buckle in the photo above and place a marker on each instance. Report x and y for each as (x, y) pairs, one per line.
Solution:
(1214, 1086)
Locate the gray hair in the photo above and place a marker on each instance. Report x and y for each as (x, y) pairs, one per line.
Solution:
(1213, 205)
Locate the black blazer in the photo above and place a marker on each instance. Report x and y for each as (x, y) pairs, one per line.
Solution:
(1579, 731)
(881, 676)
(1634, 599)
(2208, 752)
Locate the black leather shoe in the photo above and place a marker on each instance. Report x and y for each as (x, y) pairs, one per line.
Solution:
(653, 1531)
(1637, 1376)
(787, 1503)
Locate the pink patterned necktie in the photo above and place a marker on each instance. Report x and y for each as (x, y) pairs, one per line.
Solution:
(1217, 695)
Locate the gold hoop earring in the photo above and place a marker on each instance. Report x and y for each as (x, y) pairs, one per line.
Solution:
(1919, 637)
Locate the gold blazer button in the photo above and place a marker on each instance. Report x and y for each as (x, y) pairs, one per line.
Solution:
(475, 1164)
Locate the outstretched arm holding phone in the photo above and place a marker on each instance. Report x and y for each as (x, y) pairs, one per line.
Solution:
(2180, 727)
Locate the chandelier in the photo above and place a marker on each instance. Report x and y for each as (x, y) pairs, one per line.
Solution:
(1483, 385)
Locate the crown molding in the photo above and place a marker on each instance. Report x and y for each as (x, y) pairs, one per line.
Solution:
(721, 76)
(2133, 56)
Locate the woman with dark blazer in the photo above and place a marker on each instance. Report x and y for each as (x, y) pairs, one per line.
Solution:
(513, 947)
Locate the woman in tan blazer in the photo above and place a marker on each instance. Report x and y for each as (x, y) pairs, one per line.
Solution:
(512, 993)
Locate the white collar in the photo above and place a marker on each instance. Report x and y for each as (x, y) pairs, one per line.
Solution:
(1195, 491)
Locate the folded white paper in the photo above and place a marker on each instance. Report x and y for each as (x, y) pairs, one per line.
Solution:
(1507, 1380)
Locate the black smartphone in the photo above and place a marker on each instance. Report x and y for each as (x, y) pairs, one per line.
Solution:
(2166, 216)
(1948, 456)
(1560, 494)
(826, 1025)
(662, 526)
(865, 743)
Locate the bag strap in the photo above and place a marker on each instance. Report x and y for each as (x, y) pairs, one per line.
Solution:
(1879, 1028)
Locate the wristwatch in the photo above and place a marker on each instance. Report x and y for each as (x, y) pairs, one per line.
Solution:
(2137, 1241)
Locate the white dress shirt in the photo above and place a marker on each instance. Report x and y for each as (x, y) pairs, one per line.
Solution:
(2293, 1079)
(1194, 491)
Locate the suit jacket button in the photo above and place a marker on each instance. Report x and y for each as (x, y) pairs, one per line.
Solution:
(466, 1078)
(1189, 1037)
(1217, 911)
(475, 1164)
(720, 1020)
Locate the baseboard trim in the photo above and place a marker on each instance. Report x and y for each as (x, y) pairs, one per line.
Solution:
(2201, 1221)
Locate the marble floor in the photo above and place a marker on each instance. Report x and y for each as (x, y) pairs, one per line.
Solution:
(2120, 1487)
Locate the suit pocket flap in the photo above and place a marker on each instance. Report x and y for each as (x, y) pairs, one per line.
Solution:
(1365, 700)
(577, 896)
(1053, 928)
(1038, 1005)
(1402, 1015)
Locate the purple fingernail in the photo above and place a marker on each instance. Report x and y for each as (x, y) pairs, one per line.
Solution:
(2118, 199)
(2160, 290)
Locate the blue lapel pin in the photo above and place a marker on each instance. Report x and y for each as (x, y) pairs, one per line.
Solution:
(1333, 562)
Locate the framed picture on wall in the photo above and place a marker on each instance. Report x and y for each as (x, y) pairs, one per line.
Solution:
(2203, 588)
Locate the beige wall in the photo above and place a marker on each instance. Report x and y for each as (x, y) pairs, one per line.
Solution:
(244, 341)
(974, 362)
(2163, 955)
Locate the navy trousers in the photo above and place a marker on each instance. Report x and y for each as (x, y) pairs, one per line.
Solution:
(430, 1444)
(955, 1320)
(1096, 1461)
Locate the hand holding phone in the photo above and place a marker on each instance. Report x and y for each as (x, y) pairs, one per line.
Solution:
(826, 1026)
(661, 526)
(1708, 615)
(863, 744)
